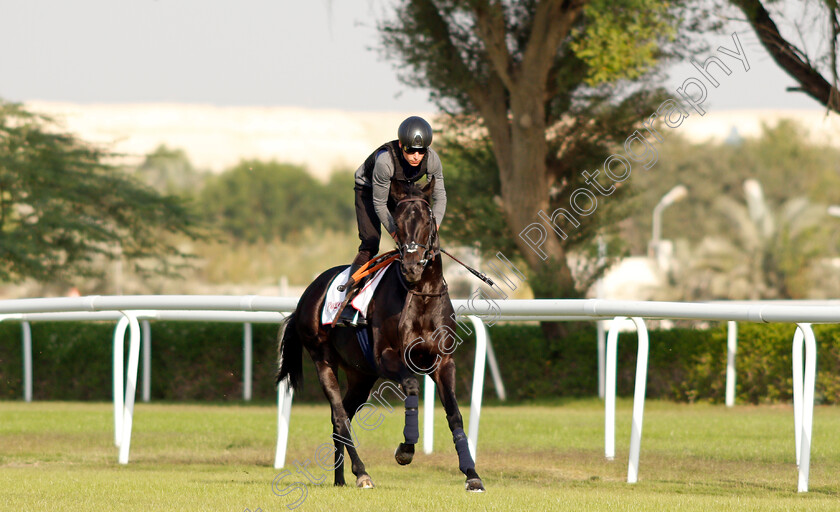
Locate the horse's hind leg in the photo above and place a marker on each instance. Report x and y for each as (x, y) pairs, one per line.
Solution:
(445, 379)
(358, 389)
(405, 451)
(342, 435)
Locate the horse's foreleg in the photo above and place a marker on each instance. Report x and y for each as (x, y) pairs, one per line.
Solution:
(405, 451)
(445, 379)
(342, 434)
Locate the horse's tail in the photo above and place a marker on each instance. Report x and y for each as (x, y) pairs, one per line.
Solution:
(290, 354)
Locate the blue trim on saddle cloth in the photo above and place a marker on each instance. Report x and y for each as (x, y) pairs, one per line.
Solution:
(365, 344)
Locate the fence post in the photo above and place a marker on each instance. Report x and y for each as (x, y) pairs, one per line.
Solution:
(638, 395)
(731, 349)
(478, 382)
(599, 325)
(147, 361)
(494, 371)
(247, 361)
(428, 414)
(803, 398)
(130, 385)
(119, 363)
(284, 414)
(27, 361)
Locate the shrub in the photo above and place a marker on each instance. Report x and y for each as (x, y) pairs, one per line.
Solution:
(203, 361)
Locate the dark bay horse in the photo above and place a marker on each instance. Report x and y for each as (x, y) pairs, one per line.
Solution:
(412, 327)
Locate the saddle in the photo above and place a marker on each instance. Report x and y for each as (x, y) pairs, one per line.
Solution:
(367, 278)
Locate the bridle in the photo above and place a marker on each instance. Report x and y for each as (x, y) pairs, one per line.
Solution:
(430, 254)
(413, 246)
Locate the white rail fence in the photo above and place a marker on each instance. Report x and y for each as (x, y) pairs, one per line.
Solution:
(133, 307)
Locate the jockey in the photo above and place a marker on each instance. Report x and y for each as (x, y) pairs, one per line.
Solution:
(406, 159)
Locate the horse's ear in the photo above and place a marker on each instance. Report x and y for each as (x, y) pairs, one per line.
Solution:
(398, 191)
(428, 188)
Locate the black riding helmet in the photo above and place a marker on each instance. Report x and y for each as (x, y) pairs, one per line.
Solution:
(415, 132)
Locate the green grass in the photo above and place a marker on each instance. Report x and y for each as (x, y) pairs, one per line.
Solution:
(61, 456)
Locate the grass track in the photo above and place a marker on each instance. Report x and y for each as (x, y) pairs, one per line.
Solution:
(60, 456)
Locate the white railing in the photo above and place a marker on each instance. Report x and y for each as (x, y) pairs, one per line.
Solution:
(594, 309)
(124, 386)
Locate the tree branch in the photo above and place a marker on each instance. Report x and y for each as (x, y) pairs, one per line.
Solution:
(490, 25)
(439, 31)
(787, 56)
(489, 98)
(553, 21)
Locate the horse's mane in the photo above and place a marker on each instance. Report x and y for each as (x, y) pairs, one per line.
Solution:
(412, 190)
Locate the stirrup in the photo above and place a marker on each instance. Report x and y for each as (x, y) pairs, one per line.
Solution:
(350, 317)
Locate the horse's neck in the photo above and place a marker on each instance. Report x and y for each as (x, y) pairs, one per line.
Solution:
(432, 280)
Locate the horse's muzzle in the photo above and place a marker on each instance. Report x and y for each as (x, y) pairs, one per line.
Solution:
(412, 271)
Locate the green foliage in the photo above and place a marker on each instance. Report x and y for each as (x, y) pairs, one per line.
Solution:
(63, 209)
(534, 367)
(684, 365)
(544, 83)
(622, 40)
(261, 201)
(169, 171)
(300, 259)
(734, 245)
(190, 360)
(203, 361)
(781, 159)
(473, 214)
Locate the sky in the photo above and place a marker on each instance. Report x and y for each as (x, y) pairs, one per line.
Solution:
(302, 53)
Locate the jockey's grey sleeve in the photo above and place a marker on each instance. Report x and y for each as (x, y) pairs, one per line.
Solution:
(381, 182)
(435, 169)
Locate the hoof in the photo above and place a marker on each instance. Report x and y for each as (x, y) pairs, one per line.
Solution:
(474, 485)
(364, 482)
(404, 454)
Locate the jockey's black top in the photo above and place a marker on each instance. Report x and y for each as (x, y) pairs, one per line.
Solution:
(403, 171)
(386, 163)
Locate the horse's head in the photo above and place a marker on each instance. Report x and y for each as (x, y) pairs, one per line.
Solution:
(416, 228)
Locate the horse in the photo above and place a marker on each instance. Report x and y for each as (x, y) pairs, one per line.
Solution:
(410, 310)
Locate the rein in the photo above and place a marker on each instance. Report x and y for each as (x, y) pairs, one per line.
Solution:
(476, 273)
(367, 269)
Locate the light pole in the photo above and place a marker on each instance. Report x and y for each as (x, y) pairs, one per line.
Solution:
(673, 195)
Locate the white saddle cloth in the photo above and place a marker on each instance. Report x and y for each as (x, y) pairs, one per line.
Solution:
(360, 302)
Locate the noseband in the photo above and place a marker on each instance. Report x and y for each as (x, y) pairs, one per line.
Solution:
(412, 246)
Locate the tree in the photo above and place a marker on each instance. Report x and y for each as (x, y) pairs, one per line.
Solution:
(262, 201)
(767, 255)
(546, 81)
(738, 245)
(815, 70)
(782, 159)
(169, 171)
(63, 208)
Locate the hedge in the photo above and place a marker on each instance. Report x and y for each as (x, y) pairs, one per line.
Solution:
(203, 361)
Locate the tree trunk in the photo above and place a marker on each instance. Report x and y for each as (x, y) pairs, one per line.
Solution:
(525, 190)
(519, 141)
